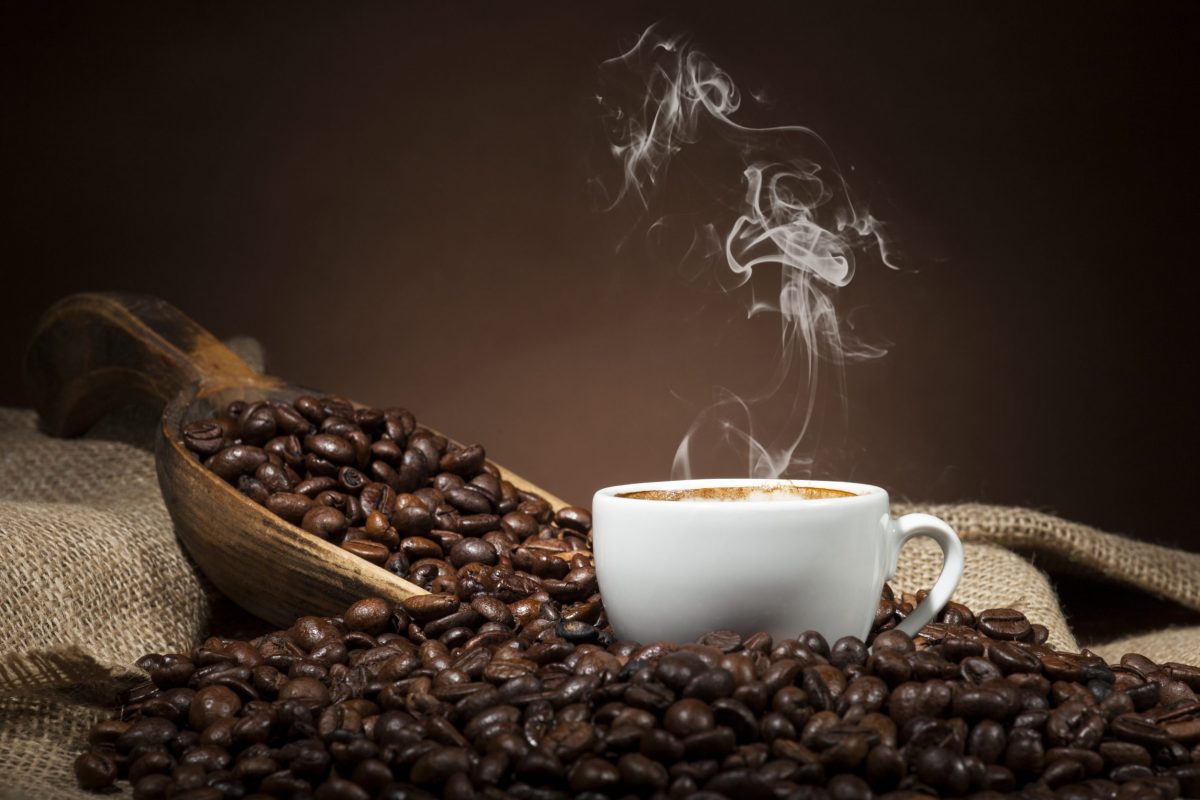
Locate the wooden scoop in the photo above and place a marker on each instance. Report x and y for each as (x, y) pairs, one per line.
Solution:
(92, 353)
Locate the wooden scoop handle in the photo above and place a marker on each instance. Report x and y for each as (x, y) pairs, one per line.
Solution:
(93, 352)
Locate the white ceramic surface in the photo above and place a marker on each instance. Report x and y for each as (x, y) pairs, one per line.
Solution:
(674, 569)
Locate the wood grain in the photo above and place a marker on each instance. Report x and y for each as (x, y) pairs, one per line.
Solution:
(93, 352)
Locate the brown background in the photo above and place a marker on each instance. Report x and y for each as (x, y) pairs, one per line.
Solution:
(394, 200)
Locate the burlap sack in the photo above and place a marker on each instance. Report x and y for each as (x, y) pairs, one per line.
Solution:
(990, 536)
(92, 577)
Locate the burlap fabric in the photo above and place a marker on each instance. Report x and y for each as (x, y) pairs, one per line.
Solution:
(92, 577)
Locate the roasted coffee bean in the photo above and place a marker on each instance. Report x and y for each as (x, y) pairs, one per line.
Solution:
(465, 462)
(472, 551)
(351, 480)
(688, 716)
(846, 651)
(429, 607)
(106, 732)
(235, 461)
(712, 684)
(988, 741)
(373, 552)
(1132, 728)
(253, 488)
(324, 521)
(1011, 657)
(575, 518)
(204, 437)
(1024, 754)
(413, 520)
(332, 448)
(1075, 724)
(1004, 623)
(211, 704)
(868, 693)
(476, 524)
(95, 770)
(889, 665)
(289, 421)
(291, 506)
(888, 640)
(257, 424)
(944, 770)
(468, 501)
(371, 616)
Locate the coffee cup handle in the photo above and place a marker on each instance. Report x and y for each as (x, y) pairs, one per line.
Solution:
(909, 526)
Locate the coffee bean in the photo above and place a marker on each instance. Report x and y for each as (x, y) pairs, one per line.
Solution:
(943, 769)
(868, 693)
(211, 704)
(593, 774)
(892, 640)
(370, 615)
(373, 552)
(889, 665)
(428, 607)
(204, 437)
(846, 651)
(235, 461)
(688, 716)
(1075, 724)
(710, 685)
(324, 522)
(1011, 657)
(308, 691)
(575, 518)
(289, 421)
(465, 462)
(468, 501)
(257, 424)
(472, 551)
(95, 770)
(1024, 754)
(1004, 623)
(1132, 728)
(988, 741)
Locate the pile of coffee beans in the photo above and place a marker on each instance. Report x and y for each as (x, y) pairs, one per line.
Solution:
(439, 697)
(398, 495)
(506, 681)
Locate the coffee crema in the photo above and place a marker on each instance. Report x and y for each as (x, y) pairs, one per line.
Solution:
(766, 491)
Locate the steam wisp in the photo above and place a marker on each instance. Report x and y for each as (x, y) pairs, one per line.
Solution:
(796, 220)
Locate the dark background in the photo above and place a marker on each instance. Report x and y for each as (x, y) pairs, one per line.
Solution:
(394, 200)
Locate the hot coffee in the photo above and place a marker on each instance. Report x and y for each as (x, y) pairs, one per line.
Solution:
(723, 555)
(766, 491)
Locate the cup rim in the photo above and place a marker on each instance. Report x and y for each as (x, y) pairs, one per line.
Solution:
(862, 492)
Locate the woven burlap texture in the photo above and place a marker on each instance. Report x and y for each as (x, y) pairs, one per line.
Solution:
(1181, 645)
(992, 578)
(1071, 547)
(93, 578)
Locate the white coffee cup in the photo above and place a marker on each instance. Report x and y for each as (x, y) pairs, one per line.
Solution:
(670, 570)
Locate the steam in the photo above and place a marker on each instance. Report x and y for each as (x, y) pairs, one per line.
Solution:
(796, 221)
